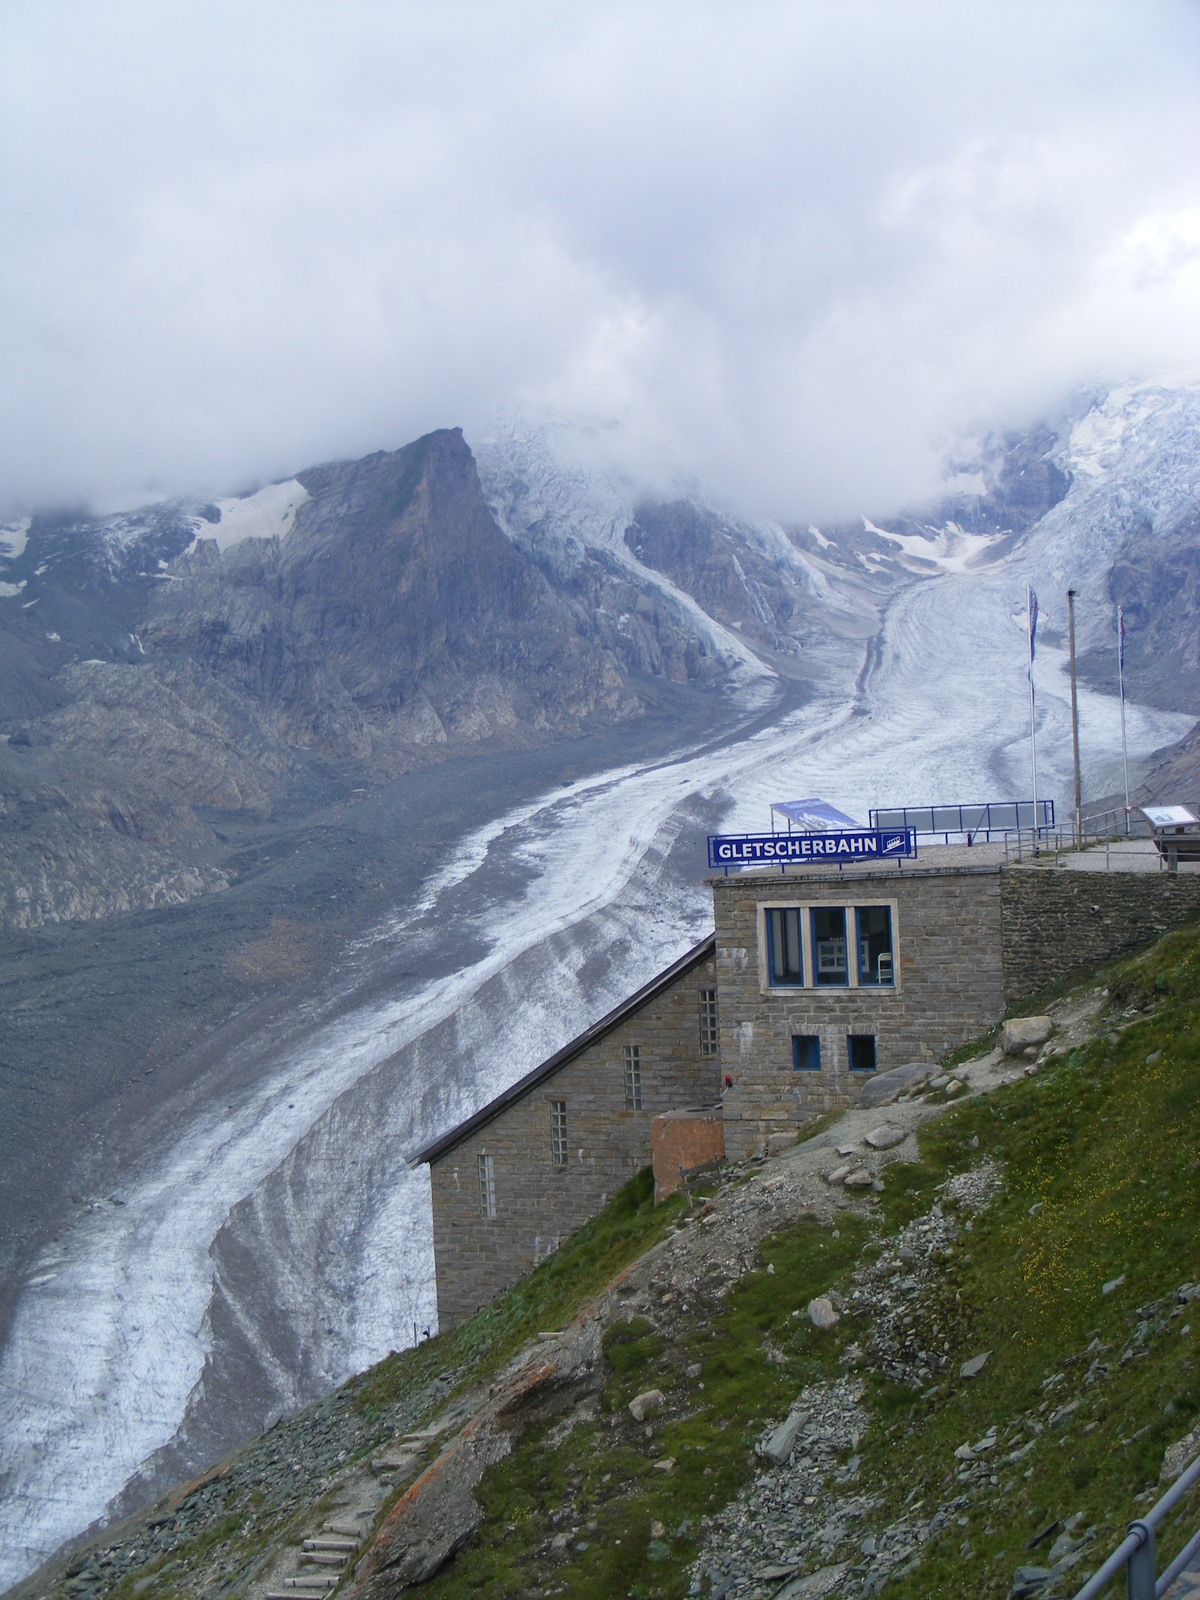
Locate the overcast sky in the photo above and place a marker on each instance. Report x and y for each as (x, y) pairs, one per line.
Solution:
(788, 251)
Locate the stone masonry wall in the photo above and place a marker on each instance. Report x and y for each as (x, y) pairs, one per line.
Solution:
(1057, 922)
(947, 940)
(537, 1203)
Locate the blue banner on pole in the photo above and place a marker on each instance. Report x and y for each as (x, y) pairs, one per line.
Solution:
(777, 849)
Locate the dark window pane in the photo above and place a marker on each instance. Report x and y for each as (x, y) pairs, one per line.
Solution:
(874, 945)
(862, 1051)
(783, 947)
(829, 945)
(806, 1052)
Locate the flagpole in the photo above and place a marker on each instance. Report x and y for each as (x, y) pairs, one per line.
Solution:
(1031, 614)
(1121, 681)
(1075, 728)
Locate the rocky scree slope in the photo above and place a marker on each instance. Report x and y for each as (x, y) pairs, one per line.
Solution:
(942, 1346)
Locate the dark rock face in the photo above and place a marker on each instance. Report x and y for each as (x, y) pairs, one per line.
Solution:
(395, 613)
(700, 552)
(393, 619)
(1157, 580)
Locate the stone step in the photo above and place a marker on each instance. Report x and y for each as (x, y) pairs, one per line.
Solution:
(292, 1588)
(424, 1436)
(313, 1585)
(331, 1544)
(397, 1463)
(323, 1558)
(345, 1526)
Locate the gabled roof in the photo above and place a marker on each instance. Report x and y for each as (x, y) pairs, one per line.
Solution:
(577, 1046)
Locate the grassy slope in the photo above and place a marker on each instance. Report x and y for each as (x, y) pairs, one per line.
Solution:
(1108, 1144)
(604, 1472)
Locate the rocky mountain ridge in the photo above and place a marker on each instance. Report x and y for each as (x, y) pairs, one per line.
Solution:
(169, 667)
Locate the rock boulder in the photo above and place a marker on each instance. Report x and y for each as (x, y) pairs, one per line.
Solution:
(885, 1087)
(1022, 1032)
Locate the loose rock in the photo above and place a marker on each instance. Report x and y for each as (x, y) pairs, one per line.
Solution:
(1022, 1032)
(1180, 1455)
(886, 1137)
(822, 1315)
(886, 1087)
(816, 1585)
(641, 1404)
(783, 1441)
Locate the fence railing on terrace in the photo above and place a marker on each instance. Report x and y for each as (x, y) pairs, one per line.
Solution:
(1136, 1554)
(972, 822)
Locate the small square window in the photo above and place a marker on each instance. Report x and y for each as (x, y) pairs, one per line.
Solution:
(806, 1052)
(558, 1133)
(710, 1037)
(487, 1186)
(633, 1077)
(862, 1051)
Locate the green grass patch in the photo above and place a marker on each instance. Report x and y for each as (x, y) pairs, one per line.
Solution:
(756, 1354)
(1101, 1157)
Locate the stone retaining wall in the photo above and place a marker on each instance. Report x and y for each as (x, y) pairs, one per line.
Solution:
(1058, 922)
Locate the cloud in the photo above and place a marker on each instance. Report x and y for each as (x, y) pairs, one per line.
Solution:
(790, 251)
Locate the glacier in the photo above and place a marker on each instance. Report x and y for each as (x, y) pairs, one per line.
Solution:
(118, 1367)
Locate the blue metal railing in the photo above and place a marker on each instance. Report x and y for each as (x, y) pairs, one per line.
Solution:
(1136, 1552)
(996, 816)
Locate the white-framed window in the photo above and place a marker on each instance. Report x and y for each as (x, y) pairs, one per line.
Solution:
(487, 1186)
(710, 1028)
(633, 1077)
(559, 1153)
(841, 945)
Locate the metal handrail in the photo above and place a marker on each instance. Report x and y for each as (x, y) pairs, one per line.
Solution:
(1136, 1551)
(985, 818)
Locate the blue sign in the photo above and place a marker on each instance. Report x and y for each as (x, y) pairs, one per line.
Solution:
(778, 849)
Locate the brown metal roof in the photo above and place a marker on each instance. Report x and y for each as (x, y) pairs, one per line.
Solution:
(577, 1046)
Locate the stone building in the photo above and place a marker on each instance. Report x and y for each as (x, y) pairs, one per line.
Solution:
(539, 1160)
(815, 980)
(828, 977)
